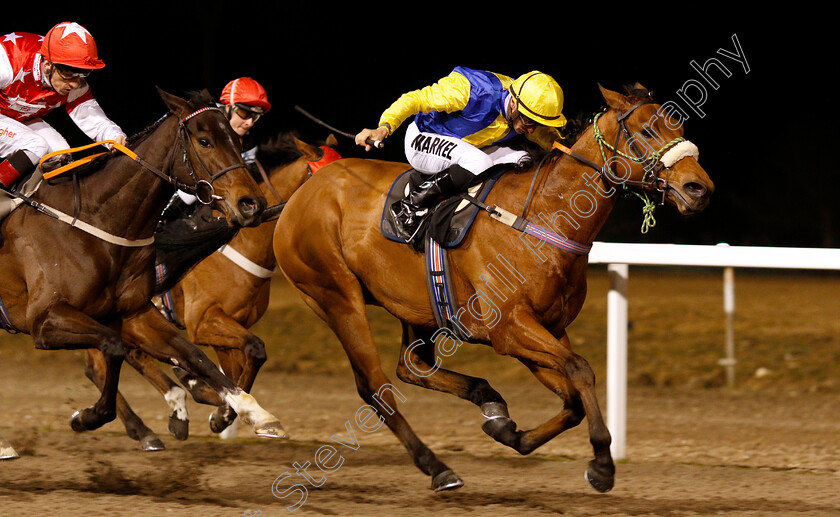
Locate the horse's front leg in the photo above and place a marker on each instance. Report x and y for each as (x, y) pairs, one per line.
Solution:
(241, 355)
(419, 365)
(63, 327)
(156, 336)
(569, 376)
(134, 426)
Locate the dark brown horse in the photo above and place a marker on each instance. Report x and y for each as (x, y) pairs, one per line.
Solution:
(328, 244)
(219, 314)
(71, 289)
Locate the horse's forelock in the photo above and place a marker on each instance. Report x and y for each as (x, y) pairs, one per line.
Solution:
(200, 99)
(638, 93)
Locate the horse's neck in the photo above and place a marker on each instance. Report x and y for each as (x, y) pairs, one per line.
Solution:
(287, 179)
(128, 197)
(573, 198)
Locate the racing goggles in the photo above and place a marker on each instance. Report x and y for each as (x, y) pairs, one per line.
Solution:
(246, 112)
(68, 73)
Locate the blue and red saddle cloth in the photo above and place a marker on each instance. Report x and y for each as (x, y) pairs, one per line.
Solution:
(446, 227)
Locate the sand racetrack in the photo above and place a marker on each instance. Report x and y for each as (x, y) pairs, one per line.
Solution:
(769, 446)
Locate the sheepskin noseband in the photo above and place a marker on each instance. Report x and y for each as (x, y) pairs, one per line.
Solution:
(678, 152)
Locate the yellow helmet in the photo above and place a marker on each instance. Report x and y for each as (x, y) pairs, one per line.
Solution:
(539, 98)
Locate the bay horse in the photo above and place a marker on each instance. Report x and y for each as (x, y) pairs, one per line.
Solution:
(91, 289)
(328, 245)
(219, 299)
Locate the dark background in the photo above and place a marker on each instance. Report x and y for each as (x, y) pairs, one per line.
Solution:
(767, 138)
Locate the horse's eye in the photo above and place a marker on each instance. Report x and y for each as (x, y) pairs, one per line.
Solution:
(203, 142)
(647, 133)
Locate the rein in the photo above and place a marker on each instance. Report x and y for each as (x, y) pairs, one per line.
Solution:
(201, 186)
(654, 165)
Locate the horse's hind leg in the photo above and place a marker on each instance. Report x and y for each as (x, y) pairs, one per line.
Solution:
(63, 327)
(134, 426)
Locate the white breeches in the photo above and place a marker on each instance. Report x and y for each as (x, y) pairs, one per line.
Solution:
(432, 153)
(34, 136)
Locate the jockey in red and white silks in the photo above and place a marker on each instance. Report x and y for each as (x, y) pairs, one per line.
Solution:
(37, 75)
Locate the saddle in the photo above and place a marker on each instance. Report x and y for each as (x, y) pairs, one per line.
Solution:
(25, 186)
(449, 222)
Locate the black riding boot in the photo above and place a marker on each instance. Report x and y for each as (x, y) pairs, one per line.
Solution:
(176, 209)
(410, 211)
(14, 167)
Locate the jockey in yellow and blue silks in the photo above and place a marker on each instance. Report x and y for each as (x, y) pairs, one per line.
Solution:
(461, 127)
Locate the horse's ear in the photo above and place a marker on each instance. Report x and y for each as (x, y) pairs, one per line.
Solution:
(332, 141)
(614, 99)
(177, 105)
(310, 152)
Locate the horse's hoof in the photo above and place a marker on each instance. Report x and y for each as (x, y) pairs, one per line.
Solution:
(271, 430)
(151, 443)
(600, 481)
(446, 480)
(493, 410)
(179, 429)
(88, 420)
(76, 422)
(8, 453)
(217, 423)
(503, 430)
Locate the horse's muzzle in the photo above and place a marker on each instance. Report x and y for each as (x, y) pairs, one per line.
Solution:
(692, 196)
(250, 208)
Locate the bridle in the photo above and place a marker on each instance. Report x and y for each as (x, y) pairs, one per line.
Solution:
(652, 180)
(202, 189)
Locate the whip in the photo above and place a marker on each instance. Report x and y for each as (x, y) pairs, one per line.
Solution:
(371, 142)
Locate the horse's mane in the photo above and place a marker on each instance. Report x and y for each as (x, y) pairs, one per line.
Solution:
(569, 134)
(278, 150)
(576, 126)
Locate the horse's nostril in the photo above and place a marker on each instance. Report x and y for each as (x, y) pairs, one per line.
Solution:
(248, 206)
(695, 190)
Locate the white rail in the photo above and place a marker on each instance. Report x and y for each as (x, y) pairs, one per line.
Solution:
(619, 256)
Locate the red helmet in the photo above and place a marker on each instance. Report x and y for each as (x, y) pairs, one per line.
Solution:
(70, 44)
(245, 91)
